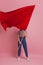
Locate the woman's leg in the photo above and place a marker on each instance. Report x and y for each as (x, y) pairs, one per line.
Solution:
(25, 47)
(19, 49)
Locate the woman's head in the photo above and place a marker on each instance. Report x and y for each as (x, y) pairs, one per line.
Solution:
(20, 29)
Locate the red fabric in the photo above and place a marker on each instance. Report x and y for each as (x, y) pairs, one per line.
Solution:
(19, 18)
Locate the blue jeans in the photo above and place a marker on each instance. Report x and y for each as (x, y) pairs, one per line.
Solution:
(24, 46)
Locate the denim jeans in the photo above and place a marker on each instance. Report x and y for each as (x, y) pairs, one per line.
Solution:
(23, 42)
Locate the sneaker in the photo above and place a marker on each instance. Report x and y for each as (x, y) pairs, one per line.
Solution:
(18, 58)
(27, 59)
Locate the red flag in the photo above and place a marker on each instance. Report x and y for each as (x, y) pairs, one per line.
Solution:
(19, 18)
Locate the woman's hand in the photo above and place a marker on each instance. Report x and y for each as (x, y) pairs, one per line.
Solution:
(20, 42)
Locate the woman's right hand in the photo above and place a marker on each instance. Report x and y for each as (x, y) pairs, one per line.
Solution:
(20, 42)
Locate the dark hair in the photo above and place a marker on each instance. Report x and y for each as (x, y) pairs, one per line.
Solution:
(20, 29)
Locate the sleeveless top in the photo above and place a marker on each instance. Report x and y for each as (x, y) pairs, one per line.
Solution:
(22, 33)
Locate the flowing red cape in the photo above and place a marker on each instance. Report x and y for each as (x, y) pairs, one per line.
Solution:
(19, 18)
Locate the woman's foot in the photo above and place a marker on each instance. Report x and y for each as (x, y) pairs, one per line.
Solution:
(27, 58)
(18, 58)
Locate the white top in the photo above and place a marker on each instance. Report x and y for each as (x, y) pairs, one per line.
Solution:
(22, 33)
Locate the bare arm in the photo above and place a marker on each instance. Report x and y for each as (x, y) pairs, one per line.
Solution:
(19, 39)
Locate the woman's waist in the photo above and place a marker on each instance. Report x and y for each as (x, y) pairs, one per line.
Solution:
(22, 37)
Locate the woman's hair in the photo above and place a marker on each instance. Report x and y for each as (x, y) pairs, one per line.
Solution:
(20, 29)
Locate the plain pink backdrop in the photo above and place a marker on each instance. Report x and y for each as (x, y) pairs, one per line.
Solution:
(8, 39)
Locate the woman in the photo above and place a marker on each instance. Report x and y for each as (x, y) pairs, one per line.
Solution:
(22, 41)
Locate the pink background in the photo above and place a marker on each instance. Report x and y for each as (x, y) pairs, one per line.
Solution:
(8, 39)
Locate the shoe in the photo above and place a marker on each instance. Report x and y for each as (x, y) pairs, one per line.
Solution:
(27, 58)
(18, 58)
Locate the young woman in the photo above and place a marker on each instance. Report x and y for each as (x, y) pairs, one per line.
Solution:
(22, 41)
